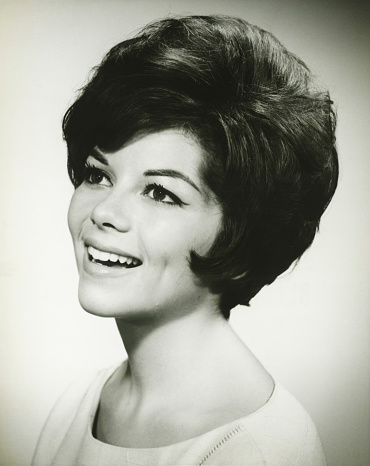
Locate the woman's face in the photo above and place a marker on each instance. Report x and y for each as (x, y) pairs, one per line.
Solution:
(133, 222)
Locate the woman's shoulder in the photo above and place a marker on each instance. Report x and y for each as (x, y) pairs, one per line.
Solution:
(74, 403)
(279, 433)
(84, 386)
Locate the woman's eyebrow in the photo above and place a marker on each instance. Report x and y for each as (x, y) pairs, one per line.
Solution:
(172, 174)
(99, 156)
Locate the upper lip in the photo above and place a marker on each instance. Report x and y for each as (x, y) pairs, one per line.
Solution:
(110, 249)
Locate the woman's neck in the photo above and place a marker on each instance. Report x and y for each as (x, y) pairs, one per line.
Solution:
(182, 357)
(183, 378)
(161, 354)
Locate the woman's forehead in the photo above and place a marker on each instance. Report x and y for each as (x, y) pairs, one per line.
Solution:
(170, 148)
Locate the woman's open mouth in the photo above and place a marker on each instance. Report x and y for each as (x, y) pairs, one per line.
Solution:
(109, 259)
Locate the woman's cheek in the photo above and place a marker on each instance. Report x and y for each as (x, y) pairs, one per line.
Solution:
(72, 214)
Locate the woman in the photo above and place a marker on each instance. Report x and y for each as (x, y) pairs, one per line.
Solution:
(203, 156)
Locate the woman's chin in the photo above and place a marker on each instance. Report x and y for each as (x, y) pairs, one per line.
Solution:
(99, 304)
(94, 302)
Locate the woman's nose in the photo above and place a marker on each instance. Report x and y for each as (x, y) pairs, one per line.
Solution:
(112, 212)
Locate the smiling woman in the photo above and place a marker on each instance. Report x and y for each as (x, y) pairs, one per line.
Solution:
(203, 156)
(131, 248)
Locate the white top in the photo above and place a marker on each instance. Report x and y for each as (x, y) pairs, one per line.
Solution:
(280, 433)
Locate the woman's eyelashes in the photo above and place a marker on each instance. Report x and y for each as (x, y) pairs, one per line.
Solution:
(160, 194)
(95, 176)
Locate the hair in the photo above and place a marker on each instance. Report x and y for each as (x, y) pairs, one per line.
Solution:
(266, 129)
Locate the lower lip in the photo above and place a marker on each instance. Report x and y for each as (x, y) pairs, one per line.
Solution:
(93, 268)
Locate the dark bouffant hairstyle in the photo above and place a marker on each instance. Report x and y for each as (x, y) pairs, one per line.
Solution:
(266, 129)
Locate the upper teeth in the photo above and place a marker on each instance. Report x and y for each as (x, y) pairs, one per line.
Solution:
(109, 256)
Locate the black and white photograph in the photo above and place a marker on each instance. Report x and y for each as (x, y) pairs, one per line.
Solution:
(185, 268)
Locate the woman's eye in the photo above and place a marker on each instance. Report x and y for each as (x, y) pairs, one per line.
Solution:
(159, 194)
(93, 175)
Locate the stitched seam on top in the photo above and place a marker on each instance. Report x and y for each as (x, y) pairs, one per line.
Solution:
(225, 439)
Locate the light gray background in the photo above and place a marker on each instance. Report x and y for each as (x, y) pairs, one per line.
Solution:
(310, 328)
